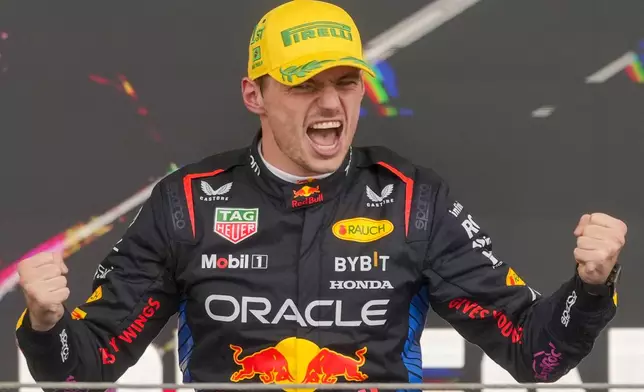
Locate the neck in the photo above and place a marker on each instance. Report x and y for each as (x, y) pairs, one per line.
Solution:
(282, 174)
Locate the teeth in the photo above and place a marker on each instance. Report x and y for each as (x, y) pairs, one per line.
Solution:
(326, 125)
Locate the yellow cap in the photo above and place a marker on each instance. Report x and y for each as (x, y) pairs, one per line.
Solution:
(300, 39)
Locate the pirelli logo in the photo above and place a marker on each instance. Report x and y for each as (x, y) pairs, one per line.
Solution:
(315, 30)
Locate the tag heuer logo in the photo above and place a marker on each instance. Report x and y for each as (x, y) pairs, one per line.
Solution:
(380, 199)
(236, 224)
(215, 194)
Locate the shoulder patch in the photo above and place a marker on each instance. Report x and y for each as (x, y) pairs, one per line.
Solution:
(423, 205)
(421, 189)
(179, 190)
(409, 191)
(178, 210)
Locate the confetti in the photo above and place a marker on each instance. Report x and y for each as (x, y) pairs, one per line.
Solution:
(80, 235)
(123, 85)
(4, 67)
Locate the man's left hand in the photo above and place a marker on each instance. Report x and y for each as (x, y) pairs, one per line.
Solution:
(600, 239)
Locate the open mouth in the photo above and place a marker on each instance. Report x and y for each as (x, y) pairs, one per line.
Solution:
(325, 136)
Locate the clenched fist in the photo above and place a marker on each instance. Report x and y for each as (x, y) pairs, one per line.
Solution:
(45, 287)
(600, 239)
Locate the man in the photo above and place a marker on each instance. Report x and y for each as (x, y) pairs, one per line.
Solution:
(303, 260)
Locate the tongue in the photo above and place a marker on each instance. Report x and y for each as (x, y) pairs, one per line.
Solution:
(323, 137)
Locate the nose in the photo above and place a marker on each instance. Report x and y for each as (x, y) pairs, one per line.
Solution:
(329, 99)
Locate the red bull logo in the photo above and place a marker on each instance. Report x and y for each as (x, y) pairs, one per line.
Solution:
(299, 361)
(269, 364)
(306, 192)
(328, 365)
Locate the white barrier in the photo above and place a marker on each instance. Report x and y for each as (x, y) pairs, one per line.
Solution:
(442, 348)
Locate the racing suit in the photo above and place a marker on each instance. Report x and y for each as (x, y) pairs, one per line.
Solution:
(325, 281)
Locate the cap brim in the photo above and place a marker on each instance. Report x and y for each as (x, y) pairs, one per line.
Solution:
(306, 67)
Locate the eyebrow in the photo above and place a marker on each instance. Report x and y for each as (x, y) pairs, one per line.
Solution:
(350, 75)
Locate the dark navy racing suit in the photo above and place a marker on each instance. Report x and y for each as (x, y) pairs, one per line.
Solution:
(326, 281)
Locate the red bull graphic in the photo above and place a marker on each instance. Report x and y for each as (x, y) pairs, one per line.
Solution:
(269, 364)
(328, 365)
(307, 193)
(299, 361)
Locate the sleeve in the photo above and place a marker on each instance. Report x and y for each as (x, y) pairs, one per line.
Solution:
(133, 297)
(535, 338)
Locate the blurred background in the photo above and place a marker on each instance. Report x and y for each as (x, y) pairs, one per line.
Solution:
(532, 110)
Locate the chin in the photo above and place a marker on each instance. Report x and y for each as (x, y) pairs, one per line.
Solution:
(326, 164)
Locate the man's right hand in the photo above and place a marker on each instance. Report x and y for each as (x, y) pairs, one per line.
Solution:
(45, 287)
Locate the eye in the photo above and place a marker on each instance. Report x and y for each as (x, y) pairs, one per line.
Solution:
(303, 87)
(348, 82)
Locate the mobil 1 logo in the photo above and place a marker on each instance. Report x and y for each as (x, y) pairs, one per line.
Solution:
(242, 261)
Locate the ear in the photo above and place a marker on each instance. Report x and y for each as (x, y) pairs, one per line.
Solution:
(252, 96)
